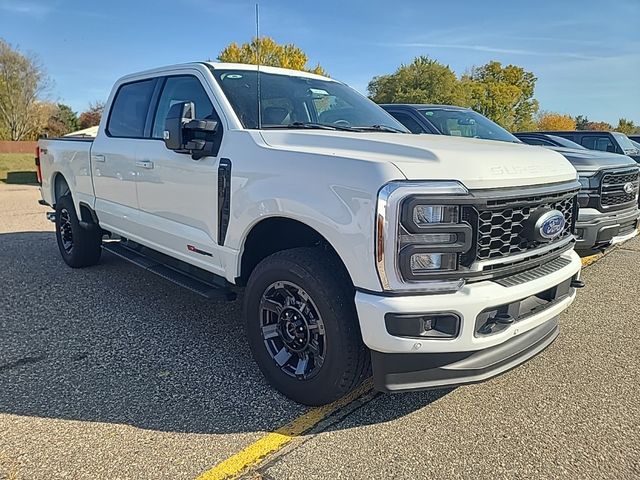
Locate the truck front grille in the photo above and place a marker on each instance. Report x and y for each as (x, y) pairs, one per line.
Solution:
(500, 232)
(612, 188)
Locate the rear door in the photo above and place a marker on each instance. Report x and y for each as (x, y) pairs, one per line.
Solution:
(113, 156)
(178, 196)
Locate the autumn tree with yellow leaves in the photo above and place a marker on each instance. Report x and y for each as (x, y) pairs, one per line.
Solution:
(266, 51)
(550, 121)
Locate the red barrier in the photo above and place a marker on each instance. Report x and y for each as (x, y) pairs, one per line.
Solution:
(7, 146)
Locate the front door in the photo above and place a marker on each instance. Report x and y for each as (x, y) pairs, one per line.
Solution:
(178, 195)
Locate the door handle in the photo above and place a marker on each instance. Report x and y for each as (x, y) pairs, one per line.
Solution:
(144, 164)
(98, 158)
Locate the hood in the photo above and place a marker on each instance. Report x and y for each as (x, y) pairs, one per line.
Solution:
(476, 163)
(588, 161)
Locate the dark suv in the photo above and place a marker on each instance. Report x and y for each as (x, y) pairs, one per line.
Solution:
(613, 142)
(547, 140)
(609, 196)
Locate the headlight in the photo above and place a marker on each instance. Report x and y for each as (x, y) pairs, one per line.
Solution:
(424, 215)
(585, 183)
(421, 235)
(424, 263)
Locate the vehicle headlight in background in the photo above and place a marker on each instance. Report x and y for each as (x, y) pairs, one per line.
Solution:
(585, 182)
(586, 189)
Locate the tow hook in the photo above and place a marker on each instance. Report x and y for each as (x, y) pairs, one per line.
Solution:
(499, 318)
(577, 284)
(51, 216)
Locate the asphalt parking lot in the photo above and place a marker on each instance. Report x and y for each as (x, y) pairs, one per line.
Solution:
(110, 372)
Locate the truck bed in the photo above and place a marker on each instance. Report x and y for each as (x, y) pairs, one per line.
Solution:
(67, 158)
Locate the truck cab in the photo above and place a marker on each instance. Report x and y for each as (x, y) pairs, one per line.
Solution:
(429, 260)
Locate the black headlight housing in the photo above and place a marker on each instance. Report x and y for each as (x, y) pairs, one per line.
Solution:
(432, 237)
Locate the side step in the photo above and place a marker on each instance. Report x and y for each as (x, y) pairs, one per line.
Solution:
(153, 262)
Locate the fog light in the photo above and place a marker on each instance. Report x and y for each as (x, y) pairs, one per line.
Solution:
(428, 262)
(430, 325)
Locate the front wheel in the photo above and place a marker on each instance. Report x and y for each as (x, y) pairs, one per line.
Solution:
(302, 326)
(79, 247)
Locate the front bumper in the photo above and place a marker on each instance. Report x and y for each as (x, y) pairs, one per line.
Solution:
(401, 363)
(596, 229)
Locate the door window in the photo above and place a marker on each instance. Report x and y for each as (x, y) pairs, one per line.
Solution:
(603, 143)
(536, 141)
(129, 110)
(186, 88)
(408, 121)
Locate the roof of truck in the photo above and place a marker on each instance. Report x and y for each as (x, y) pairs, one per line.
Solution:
(231, 66)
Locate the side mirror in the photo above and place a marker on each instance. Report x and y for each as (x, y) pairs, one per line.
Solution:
(184, 134)
(178, 115)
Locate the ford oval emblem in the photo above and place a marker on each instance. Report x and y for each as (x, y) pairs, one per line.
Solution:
(629, 188)
(550, 225)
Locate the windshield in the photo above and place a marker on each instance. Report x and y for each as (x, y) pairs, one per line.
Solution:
(299, 102)
(565, 142)
(624, 142)
(467, 123)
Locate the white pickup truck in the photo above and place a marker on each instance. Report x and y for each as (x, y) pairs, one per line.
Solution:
(430, 260)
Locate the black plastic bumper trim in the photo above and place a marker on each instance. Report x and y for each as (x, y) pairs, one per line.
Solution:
(397, 372)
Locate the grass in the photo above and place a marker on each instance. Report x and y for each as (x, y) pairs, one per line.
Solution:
(17, 168)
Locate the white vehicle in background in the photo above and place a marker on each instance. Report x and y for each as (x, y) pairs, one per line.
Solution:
(435, 260)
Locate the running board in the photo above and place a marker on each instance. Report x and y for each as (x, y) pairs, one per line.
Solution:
(152, 262)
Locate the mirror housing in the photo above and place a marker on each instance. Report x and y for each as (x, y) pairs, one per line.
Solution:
(178, 115)
(184, 134)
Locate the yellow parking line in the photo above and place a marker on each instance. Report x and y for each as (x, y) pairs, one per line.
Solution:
(274, 441)
(586, 261)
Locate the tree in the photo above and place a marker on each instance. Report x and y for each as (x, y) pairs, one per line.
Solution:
(23, 81)
(626, 126)
(266, 51)
(582, 122)
(504, 94)
(550, 121)
(599, 126)
(63, 120)
(91, 117)
(422, 81)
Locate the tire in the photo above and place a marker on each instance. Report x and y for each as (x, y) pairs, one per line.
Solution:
(79, 247)
(321, 302)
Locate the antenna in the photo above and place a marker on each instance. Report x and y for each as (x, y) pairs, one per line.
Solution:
(258, 91)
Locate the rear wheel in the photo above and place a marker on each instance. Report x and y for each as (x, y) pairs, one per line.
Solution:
(79, 247)
(302, 326)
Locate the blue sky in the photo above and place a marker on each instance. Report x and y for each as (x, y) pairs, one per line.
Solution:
(586, 54)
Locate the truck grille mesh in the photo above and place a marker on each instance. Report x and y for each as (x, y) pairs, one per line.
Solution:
(500, 232)
(612, 188)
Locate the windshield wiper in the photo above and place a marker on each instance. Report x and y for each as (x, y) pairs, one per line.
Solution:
(311, 125)
(379, 128)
